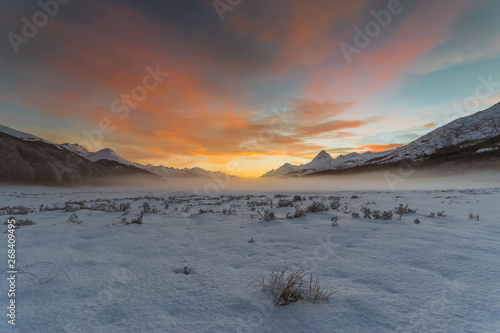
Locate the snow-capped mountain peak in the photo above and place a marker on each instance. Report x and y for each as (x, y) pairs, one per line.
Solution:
(103, 154)
(160, 170)
(21, 135)
(463, 131)
(109, 154)
(322, 156)
(460, 133)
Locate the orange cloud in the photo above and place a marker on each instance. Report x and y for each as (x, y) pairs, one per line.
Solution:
(336, 125)
(378, 147)
(374, 68)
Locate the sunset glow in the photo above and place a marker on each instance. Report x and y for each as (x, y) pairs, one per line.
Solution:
(168, 82)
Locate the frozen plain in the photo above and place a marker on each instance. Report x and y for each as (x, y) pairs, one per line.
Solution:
(102, 275)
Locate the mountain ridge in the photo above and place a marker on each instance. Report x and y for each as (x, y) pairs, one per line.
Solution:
(460, 133)
(110, 155)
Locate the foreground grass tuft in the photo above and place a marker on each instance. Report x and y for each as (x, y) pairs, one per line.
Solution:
(292, 287)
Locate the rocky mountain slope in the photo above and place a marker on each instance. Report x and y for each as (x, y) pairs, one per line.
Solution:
(474, 137)
(160, 170)
(35, 161)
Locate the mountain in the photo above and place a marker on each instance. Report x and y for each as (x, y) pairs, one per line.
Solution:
(471, 139)
(160, 170)
(164, 171)
(324, 161)
(460, 133)
(103, 154)
(27, 159)
(21, 135)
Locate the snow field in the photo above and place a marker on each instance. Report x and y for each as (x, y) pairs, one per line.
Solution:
(442, 275)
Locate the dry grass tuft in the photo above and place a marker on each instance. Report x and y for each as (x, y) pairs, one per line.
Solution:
(289, 288)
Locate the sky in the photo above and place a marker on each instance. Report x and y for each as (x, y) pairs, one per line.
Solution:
(244, 86)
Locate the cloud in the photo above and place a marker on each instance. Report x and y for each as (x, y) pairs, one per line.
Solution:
(393, 54)
(336, 125)
(381, 147)
(223, 78)
(308, 111)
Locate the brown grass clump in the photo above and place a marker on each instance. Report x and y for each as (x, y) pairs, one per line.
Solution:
(289, 288)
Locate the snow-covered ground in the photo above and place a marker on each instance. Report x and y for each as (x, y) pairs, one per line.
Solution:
(103, 275)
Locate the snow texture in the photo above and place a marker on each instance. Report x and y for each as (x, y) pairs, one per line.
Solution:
(440, 275)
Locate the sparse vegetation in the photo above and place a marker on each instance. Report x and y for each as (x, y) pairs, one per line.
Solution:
(316, 207)
(387, 215)
(16, 210)
(20, 222)
(335, 221)
(335, 203)
(204, 211)
(138, 219)
(49, 277)
(292, 287)
(267, 215)
(402, 210)
(186, 209)
(374, 214)
(285, 203)
(74, 219)
(441, 214)
(227, 211)
(367, 212)
(299, 212)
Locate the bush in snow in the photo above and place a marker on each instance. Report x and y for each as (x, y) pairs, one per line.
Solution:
(71, 208)
(441, 214)
(355, 215)
(20, 222)
(74, 219)
(138, 219)
(227, 211)
(335, 203)
(432, 214)
(16, 210)
(417, 221)
(367, 212)
(387, 215)
(267, 215)
(297, 198)
(402, 210)
(124, 207)
(204, 211)
(186, 209)
(472, 217)
(146, 209)
(317, 206)
(285, 203)
(290, 288)
(376, 214)
(299, 212)
(335, 221)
